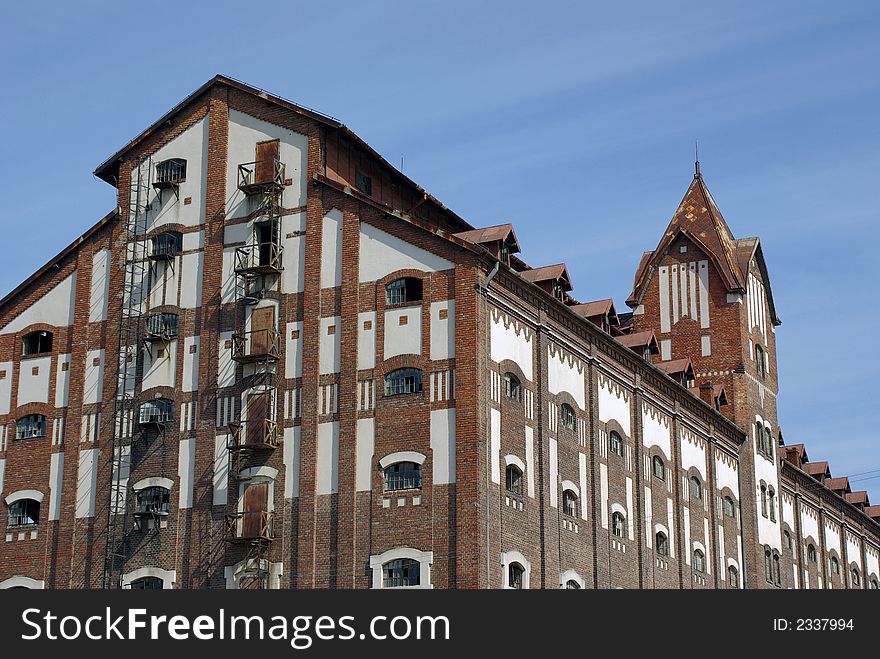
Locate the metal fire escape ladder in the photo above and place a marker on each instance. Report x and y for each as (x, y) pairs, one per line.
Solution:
(134, 293)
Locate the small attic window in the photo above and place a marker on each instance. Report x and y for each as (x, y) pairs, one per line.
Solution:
(170, 172)
(36, 343)
(683, 249)
(363, 183)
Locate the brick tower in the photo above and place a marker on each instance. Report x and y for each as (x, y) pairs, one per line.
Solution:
(707, 297)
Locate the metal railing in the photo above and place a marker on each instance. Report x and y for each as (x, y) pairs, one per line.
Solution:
(263, 258)
(162, 327)
(261, 176)
(249, 526)
(256, 345)
(253, 434)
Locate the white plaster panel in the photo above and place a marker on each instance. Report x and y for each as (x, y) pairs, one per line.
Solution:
(331, 249)
(327, 467)
(221, 471)
(726, 474)
(663, 283)
(365, 446)
(656, 430)
(367, 340)
(693, 454)
(62, 381)
(554, 473)
(291, 462)
(566, 374)
(614, 405)
(186, 469)
(6, 387)
(809, 522)
(34, 388)
(293, 353)
(403, 339)
(510, 340)
(227, 276)
(854, 551)
(160, 371)
(86, 479)
(443, 330)
(495, 443)
(190, 364)
(380, 254)
(225, 364)
(94, 380)
(192, 268)
(100, 285)
(54, 308)
(582, 478)
(193, 240)
(329, 345)
(666, 349)
(443, 445)
(244, 133)
(293, 257)
(530, 461)
(56, 478)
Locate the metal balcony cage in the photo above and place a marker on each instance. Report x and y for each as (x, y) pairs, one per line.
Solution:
(166, 245)
(170, 173)
(256, 345)
(250, 526)
(261, 176)
(259, 258)
(253, 434)
(162, 326)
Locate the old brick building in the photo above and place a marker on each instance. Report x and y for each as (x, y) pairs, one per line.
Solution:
(281, 363)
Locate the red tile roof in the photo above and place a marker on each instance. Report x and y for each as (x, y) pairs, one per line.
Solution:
(873, 511)
(596, 308)
(490, 234)
(857, 498)
(548, 273)
(676, 366)
(838, 484)
(640, 340)
(817, 468)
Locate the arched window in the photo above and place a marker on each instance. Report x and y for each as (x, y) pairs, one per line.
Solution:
(811, 553)
(659, 468)
(835, 565)
(768, 565)
(24, 512)
(167, 245)
(407, 289)
(403, 476)
(764, 500)
(759, 437)
(786, 537)
(403, 381)
(729, 508)
(401, 573)
(617, 523)
(615, 443)
(156, 412)
(36, 343)
(732, 577)
(856, 578)
(768, 442)
(147, 583)
(699, 561)
(514, 480)
(771, 500)
(32, 425)
(512, 387)
(760, 363)
(567, 417)
(662, 543)
(571, 584)
(515, 574)
(152, 500)
(777, 569)
(874, 584)
(696, 488)
(569, 503)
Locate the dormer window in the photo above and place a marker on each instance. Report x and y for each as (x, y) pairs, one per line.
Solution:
(171, 172)
(406, 289)
(36, 343)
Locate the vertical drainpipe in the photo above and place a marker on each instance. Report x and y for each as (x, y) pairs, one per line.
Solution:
(484, 289)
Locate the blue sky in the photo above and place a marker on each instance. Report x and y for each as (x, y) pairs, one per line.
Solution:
(574, 121)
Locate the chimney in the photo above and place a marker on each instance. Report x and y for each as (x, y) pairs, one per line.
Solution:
(706, 390)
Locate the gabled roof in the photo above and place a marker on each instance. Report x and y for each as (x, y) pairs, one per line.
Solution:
(700, 221)
(873, 511)
(549, 273)
(107, 170)
(640, 340)
(796, 454)
(677, 366)
(595, 308)
(503, 232)
(818, 469)
(859, 498)
(838, 484)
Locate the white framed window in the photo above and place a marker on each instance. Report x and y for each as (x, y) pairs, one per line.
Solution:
(571, 580)
(148, 578)
(402, 567)
(517, 570)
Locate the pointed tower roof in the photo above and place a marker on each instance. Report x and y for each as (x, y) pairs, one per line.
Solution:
(698, 218)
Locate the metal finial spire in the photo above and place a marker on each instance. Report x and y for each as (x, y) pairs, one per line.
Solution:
(696, 158)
